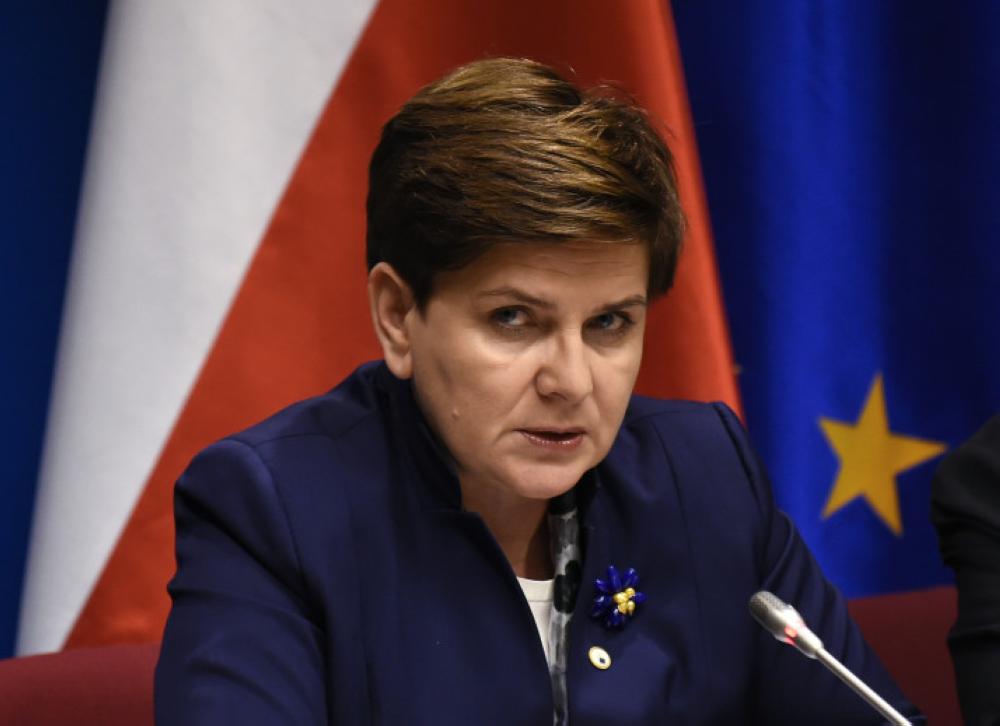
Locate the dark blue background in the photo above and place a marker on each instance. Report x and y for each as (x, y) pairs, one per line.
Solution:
(49, 61)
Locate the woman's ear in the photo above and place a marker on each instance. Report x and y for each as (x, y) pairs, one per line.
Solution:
(392, 308)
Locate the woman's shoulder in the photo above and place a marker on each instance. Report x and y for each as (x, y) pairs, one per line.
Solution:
(690, 422)
(331, 415)
(301, 470)
(312, 449)
(702, 448)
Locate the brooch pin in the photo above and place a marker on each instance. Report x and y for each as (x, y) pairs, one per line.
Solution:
(617, 597)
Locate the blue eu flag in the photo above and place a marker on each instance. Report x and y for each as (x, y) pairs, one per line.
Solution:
(852, 160)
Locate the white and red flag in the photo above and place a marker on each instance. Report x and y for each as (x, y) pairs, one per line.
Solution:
(218, 270)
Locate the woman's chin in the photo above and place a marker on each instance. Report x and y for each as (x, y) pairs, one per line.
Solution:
(545, 482)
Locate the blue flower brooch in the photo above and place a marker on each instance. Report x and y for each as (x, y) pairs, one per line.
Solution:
(617, 597)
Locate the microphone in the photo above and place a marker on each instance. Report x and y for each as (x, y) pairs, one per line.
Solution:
(784, 622)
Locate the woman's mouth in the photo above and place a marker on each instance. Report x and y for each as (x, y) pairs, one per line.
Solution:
(554, 440)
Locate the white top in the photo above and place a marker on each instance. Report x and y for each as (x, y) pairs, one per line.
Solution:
(539, 596)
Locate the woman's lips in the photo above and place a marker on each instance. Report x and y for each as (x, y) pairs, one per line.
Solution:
(553, 440)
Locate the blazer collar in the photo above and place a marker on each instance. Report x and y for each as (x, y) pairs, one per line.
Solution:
(420, 448)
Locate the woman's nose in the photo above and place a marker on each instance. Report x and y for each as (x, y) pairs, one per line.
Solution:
(566, 372)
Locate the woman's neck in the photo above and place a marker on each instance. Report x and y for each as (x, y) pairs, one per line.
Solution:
(521, 529)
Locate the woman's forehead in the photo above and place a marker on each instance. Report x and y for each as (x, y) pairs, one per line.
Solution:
(600, 265)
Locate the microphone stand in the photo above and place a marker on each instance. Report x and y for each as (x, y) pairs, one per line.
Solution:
(861, 688)
(784, 622)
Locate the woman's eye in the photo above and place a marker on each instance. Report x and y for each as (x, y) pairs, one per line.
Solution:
(611, 322)
(510, 317)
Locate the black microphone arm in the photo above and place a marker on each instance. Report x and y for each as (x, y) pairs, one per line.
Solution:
(784, 622)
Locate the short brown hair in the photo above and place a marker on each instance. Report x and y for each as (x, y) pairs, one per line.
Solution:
(506, 150)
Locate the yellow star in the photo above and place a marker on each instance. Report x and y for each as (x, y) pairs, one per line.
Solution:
(870, 457)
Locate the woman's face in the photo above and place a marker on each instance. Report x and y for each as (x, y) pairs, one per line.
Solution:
(524, 361)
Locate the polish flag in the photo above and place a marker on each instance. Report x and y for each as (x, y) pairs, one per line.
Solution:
(218, 269)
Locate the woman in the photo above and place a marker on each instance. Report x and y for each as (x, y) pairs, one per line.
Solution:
(422, 544)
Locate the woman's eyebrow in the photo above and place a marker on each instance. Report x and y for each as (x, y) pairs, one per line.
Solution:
(523, 297)
(627, 302)
(519, 295)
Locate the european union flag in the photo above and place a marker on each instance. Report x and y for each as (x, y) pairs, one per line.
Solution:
(851, 153)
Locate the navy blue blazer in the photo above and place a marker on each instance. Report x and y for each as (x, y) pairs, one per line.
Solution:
(327, 573)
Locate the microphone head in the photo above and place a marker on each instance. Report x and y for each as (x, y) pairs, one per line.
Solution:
(784, 622)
